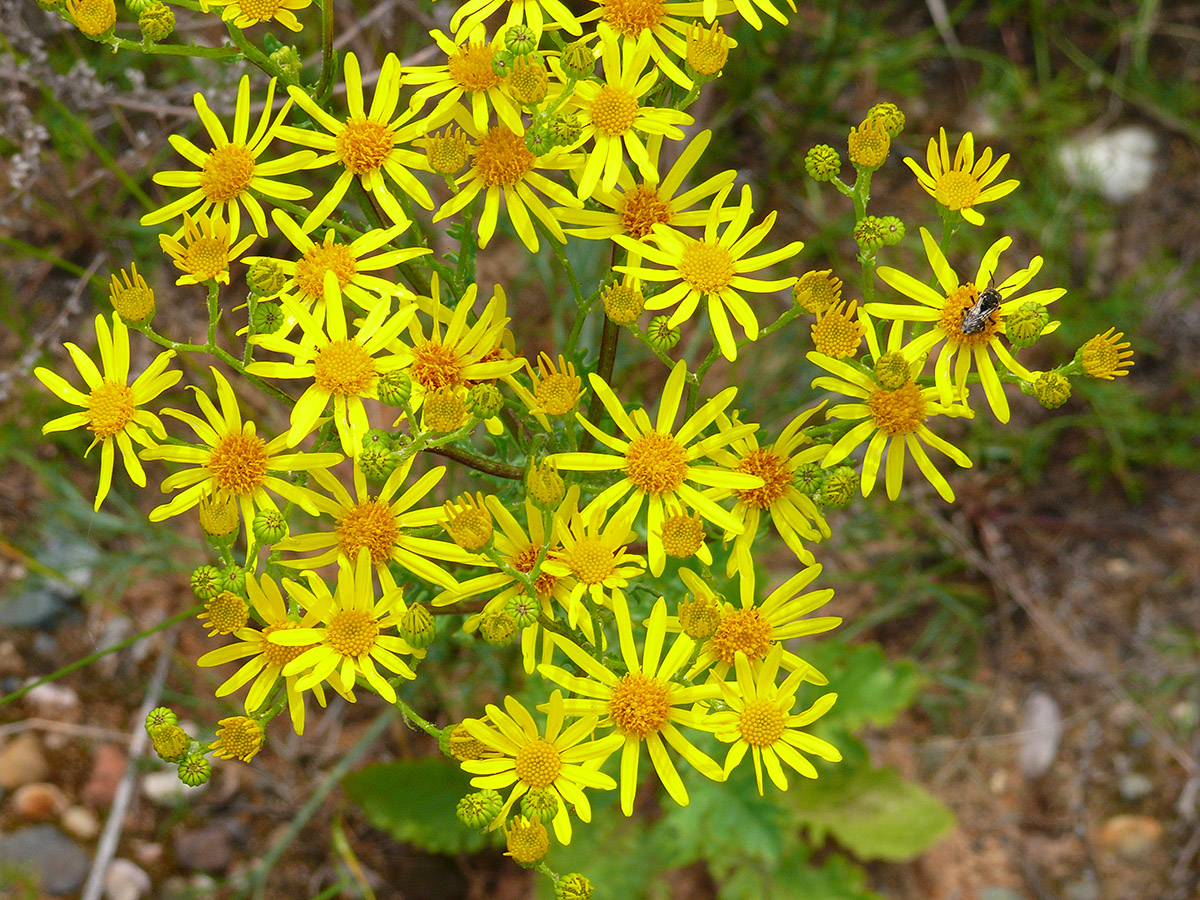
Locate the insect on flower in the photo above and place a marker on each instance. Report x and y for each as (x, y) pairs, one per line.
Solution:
(976, 318)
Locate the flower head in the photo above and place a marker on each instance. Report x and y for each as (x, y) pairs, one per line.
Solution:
(531, 12)
(238, 738)
(1106, 356)
(206, 250)
(111, 407)
(244, 13)
(963, 185)
(468, 76)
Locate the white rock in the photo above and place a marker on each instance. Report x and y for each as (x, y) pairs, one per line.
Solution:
(80, 822)
(125, 880)
(1119, 164)
(1040, 730)
(164, 788)
(52, 701)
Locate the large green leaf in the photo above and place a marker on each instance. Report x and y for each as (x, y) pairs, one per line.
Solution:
(797, 879)
(874, 813)
(414, 801)
(871, 688)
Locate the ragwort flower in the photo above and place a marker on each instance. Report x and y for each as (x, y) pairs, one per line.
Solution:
(531, 12)
(244, 13)
(965, 184)
(206, 250)
(111, 406)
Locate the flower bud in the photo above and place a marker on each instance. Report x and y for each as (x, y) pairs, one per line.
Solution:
(170, 742)
(892, 371)
(447, 152)
(479, 810)
(566, 128)
(1024, 325)
(268, 317)
(808, 478)
(269, 526)
(206, 582)
(94, 18)
(288, 59)
(266, 277)
(661, 334)
(484, 400)
(502, 63)
(1051, 389)
(520, 39)
(817, 291)
(706, 51)
(822, 163)
(544, 485)
(498, 628)
(869, 144)
(840, 486)
(469, 523)
(893, 230)
(156, 22)
(528, 82)
(540, 139)
(870, 233)
(889, 116)
(540, 804)
(394, 388)
(418, 627)
(578, 60)
(528, 841)
(133, 300)
(219, 517)
(573, 887)
(444, 411)
(161, 715)
(699, 616)
(194, 770)
(233, 578)
(523, 609)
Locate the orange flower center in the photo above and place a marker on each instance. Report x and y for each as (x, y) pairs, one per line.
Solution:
(957, 303)
(471, 68)
(772, 469)
(344, 367)
(238, 463)
(898, 412)
(639, 705)
(742, 629)
(363, 145)
(545, 583)
(632, 17)
(641, 208)
(227, 172)
(655, 463)
(435, 366)
(370, 524)
(501, 158)
(110, 407)
(321, 258)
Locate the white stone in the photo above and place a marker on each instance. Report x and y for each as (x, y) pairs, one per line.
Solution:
(125, 880)
(80, 822)
(164, 788)
(1119, 164)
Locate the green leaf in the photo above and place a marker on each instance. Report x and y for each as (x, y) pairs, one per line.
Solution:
(874, 813)
(414, 801)
(871, 688)
(797, 879)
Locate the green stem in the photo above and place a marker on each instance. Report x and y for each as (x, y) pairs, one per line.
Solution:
(100, 654)
(118, 43)
(604, 368)
(478, 463)
(256, 56)
(325, 86)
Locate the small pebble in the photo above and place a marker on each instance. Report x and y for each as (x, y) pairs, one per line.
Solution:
(22, 762)
(125, 880)
(80, 822)
(148, 853)
(1135, 786)
(108, 768)
(53, 701)
(56, 859)
(1130, 837)
(163, 788)
(1118, 164)
(39, 802)
(1040, 732)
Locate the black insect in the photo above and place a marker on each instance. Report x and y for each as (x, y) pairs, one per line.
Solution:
(976, 318)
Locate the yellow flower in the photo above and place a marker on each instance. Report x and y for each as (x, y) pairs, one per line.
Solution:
(559, 760)
(341, 367)
(532, 12)
(382, 522)
(643, 705)
(234, 461)
(266, 660)
(467, 76)
(965, 184)
(713, 8)
(231, 170)
(351, 641)
(351, 263)
(502, 166)
(756, 630)
(111, 405)
(611, 111)
(795, 516)
(366, 144)
(894, 420)
(93, 17)
(556, 391)
(657, 464)
(759, 718)
(945, 310)
(837, 332)
(715, 268)
(244, 13)
(635, 207)
(238, 738)
(1106, 356)
(205, 253)
(665, 23)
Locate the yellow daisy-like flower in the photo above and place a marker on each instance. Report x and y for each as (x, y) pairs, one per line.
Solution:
(756, 630)
(560, 760)
(795, 516)
(714, 268)
(556, 391)
(111, 406)
(367, 144)
(611, 111)
(893, 419)
(837, 331)
(503, 167)
(205, 252)
(645, 704)
(381, 522)
(350, 641)
(946, 309)
(759, 718)
(266, 660)
(244, 13)
(467, 76)
(965, 184)
(341, 367)
(238, 738)
(352, 263)
(1106, 356)
(232, 169)
(234, 461)
(533, 13)
(666, 23)
(593, 553)
(635, 207)
(657, 463)
(464, 353)
(746, 9)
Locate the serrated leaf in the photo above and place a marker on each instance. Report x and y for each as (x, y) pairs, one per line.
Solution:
(414, 800)
(874, 813)
(797, 879)
(871, 688)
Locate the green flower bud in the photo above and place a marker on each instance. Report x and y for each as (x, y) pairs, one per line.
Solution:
(268, 317)
(523, 609)
(498, 628)
(539, 139)
(50, 5)
(544, 485)
(136, 6)
(195, 770)
(170, 741)
(870, 233)
(808, 478)
(479, 810)
(1024, 326)
(269, 526)
(520, 39)
(206, 582)
(288, 59)
(573, 887)
(540, 803)
(266, 277)
(840, 486)
(161, 715)
(156, 21)
(892, 371)
(566, 128)
(893, 230)
(377, 464)
(578, 60)
(233, 579)
(418, 627)
(484, 400)
(394, 388)
(699, 617)
(889, 115)
(822, 163)
(661, 334)
(502, 62)
(1052, 389)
